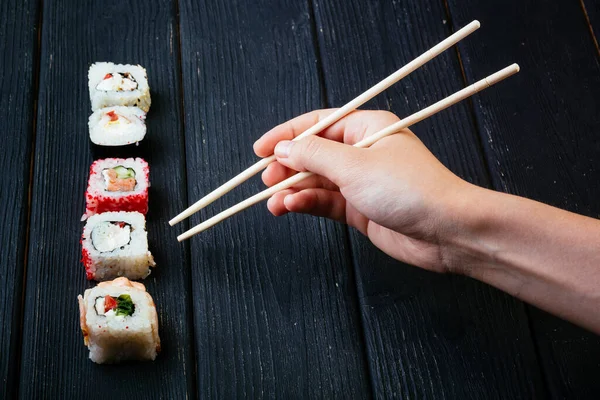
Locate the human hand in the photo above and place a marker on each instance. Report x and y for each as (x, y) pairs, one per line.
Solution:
(415, 210)
(395, 192)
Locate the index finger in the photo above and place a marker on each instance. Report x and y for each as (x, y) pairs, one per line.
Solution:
(288, 130)
(349, 129)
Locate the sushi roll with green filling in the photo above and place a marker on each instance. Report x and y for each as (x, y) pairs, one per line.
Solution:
(115, 244)
(118, 85)
(117, 184)
(119, 322)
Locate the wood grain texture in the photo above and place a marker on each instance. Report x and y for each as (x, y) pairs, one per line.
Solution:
(55, 361)
(541, 141)
(18, 47)
(275, 304)
(591, 9)
(428, 336)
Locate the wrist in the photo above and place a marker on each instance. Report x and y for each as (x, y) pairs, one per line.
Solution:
(543, 255)
(465, 218)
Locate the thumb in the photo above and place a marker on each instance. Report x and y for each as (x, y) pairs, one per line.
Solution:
(333, 160)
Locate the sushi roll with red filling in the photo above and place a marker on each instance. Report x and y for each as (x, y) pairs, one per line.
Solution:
(117, 184)
(119, 322)
(118, 85)
(117, 126)
(115, 244)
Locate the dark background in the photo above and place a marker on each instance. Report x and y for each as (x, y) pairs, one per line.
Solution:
(292, 307)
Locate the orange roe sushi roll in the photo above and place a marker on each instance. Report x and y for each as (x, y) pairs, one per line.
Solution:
(119, 322)
(117, 184)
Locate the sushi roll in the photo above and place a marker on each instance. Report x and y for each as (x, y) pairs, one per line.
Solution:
(115, 244)
(119, 322)
(117, 126)
(118, 85)
(117, 184)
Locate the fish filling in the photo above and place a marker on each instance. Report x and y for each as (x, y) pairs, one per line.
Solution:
(119, 179)
(108, 236)
(114, 306)
(118, 82)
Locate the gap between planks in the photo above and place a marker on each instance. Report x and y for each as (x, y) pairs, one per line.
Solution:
(36, 92)
(352, 272)
(488, 173)
(187, 249)
(589, 24)
(469, 101)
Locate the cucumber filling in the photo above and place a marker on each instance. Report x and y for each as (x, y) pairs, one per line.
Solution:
(119, 179)
(123, 172)
(121, 306)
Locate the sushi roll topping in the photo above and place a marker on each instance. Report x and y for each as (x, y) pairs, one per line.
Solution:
(118, 82)
(108, 236)
(119, 306)
(119, 179)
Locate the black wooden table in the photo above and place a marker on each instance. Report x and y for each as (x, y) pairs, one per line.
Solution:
(291, 307)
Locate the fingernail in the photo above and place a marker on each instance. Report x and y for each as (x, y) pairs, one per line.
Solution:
(283, 148)
(286, 200)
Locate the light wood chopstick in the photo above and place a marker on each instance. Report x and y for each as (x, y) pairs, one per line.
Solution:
(332, 118)
(366, 142)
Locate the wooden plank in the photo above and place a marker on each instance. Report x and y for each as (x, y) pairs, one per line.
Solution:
(540, 134)
(428, 335)
(275, 303)
(591, 13)
(18, 53)
(55, 361)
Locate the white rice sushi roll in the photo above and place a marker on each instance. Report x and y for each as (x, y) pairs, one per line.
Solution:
(118, 85)
(117, 126)
(115, 244)
(119, 322)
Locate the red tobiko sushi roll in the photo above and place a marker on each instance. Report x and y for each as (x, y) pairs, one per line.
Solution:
(117, 184)
(115, 244)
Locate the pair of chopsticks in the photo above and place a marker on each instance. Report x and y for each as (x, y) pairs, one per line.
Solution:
(334, 117)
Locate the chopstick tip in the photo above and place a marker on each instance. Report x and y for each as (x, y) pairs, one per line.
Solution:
(178, 218)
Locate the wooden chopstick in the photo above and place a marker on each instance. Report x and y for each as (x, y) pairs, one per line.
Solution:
(332, 118)
(366, 142)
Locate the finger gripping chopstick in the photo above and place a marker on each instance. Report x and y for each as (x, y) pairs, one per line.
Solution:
(366, 142)
(332, 118)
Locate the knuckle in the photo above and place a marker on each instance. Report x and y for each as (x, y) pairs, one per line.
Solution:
(388, 115)
(316, 116)
(288, 131)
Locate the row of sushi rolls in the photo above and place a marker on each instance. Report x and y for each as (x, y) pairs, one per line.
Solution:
(118, 317)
